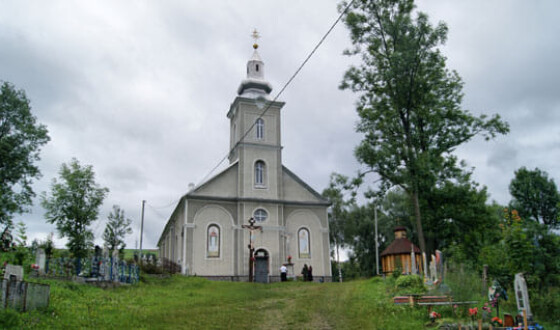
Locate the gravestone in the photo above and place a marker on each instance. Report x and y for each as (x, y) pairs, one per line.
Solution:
(41, 260)
(115, 266)
(521, 295)
(433, 269)
(425, 264)
(105, 268)
(13, 272)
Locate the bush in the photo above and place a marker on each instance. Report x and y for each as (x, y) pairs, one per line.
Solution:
(546, 305)
(410, 284)
(151, 268)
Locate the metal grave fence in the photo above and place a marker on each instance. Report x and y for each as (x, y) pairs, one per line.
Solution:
(96, 268)
(24, 296)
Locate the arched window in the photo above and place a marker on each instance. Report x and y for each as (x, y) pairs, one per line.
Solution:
(260, 173)
(304, 247)
(260, 128)
(260, 215)
(213, 242)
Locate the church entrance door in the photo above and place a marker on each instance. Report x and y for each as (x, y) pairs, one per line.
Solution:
(261, 266)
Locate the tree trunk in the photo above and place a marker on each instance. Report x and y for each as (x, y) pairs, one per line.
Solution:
(338, 264)
(421, 240)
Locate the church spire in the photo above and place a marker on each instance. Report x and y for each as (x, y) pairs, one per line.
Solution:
(255, 85)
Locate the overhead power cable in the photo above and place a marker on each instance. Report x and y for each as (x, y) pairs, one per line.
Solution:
(281, 90)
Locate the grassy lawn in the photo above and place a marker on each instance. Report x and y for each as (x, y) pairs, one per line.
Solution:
(196, 303)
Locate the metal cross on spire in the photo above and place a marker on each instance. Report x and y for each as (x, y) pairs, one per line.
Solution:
(255, 35)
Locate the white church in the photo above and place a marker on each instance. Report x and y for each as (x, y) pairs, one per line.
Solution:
(205, 235)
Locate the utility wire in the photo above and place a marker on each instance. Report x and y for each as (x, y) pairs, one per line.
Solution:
(281, 90)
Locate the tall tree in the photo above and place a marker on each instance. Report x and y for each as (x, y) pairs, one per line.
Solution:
(74, 204)
(409, 103)
(535, 196)
(118, 226)
(21, 139)
(337, 193)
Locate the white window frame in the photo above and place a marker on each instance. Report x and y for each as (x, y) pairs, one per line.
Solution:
(259, 125)
(260, 173)
(256, 217)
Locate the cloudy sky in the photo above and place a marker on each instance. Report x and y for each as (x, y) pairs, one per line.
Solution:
(140, 90)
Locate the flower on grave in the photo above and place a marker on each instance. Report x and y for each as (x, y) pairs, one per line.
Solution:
(473, 311)
(496, 321)
(434, 316)
(289, 259)
(485, 308)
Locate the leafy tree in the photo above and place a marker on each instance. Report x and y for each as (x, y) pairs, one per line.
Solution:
(409, 103)
(118, 226)
(338, 212)
(74, 204)
(48, 245)
(21, 139)
(21, 232)
(535, 196)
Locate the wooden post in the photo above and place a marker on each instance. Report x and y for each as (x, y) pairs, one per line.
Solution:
(525, 319)
(459, 326)
(479, 324)
(485, 280)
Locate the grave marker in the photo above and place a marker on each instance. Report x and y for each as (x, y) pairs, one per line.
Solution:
(521, 295)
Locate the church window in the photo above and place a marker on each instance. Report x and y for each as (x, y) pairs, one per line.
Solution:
(213, 242)
(260, 172)
(260, 215)
(257, 68)
(303, 243)
(260, 128)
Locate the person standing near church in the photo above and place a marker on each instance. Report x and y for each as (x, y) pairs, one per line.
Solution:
(310, 274)
(283, 273)
(305, 272)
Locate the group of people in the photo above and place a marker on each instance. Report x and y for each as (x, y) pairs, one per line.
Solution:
(307, 273)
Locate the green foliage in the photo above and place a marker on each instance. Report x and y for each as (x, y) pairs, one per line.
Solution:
(21, 139)
(545, 304)
(410, 284)
(48, 245)
(21, 235)
(74, 204)
(409, 103)
(465, 283)
(9, 319)
(118, 226)
(535, 196)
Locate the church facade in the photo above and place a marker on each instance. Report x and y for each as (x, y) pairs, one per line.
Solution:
(205, 235)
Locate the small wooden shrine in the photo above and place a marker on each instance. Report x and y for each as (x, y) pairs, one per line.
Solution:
(401, 253)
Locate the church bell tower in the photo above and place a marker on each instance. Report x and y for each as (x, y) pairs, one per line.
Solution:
(255, 140)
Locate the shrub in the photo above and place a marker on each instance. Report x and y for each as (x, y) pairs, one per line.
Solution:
(410, 284)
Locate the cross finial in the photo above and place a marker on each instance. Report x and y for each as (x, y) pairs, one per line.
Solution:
(255, 36)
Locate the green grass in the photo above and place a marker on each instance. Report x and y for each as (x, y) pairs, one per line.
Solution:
(195, 303)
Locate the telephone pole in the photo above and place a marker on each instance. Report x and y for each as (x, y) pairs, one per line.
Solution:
(142, 229)
(376, 243)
